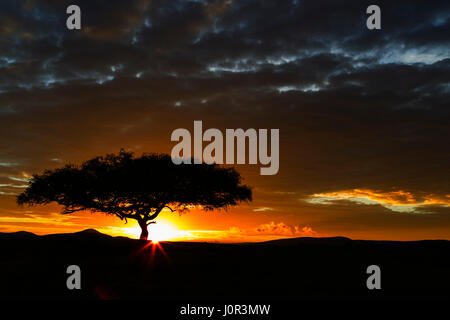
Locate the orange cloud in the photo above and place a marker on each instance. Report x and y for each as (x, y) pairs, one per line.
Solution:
(264, 232)
(283, 229)
(263, 209)
(402, 201)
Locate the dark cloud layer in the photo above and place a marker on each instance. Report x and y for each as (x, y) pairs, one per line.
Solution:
(356, 108)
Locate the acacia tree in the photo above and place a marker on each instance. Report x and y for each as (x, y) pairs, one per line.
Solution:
(136, 187)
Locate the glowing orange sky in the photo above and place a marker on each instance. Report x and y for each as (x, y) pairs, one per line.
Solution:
(240, 224)
(278, 210)
(364, 123)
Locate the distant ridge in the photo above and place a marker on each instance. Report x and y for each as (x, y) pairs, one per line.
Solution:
(18, 235)
(84, 234)
(92, 234)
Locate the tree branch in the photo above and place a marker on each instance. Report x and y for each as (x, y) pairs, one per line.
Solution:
(154, 215)
(169, 208)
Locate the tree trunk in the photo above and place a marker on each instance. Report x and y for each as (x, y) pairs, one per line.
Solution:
(144, 230)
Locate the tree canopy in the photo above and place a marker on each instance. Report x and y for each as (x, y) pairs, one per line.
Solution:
(136, 187)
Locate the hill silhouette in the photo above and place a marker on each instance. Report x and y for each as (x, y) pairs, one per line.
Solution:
(119, 267)
(18, 235)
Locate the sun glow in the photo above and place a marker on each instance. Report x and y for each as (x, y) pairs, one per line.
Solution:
(162, 231)
(159, 231)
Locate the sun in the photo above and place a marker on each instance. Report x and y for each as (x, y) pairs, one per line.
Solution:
(159, 231)
(162, 231)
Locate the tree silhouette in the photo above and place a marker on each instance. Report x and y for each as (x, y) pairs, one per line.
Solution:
(136, 187)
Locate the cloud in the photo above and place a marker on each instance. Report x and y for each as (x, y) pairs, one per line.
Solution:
(7, 164)
(268, 231)
(400, 201)
(282, 229)
(263, 209)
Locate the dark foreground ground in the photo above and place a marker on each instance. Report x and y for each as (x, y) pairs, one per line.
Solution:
(334, 268)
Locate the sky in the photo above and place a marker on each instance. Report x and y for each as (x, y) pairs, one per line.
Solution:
(363, 115)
